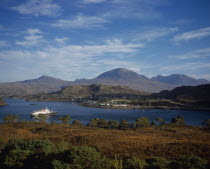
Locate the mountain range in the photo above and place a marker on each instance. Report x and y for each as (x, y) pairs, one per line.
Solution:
(116, 77)
(77, 92)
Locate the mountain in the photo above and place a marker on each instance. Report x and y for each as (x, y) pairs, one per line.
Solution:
(116, 77)
(125, 77)
(44, 84)
(2, 103)
(76, 92)
(180, 80)
(200, 92)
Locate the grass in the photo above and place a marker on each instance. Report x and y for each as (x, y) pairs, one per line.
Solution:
(169, 141)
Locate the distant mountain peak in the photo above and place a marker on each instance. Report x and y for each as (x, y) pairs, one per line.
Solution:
(180, 80)
(119, 73)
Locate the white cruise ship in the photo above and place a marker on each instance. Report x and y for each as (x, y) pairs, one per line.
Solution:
(45, 111)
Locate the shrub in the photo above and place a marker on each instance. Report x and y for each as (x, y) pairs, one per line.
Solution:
(60, 165)
(123, 124)
(160, 120)
(142, 122)
(16, 153)
(93, 122)
(66, 119)
(113, 124)
(135, 163)
(77, 123)
(10, 118)
(42, 118)
(178, 120)
(206, 123)
(86, 158)
(189, 162)
(158, 163)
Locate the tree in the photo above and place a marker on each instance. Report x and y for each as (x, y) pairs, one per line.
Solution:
(77, 123)
(206, 123)
(102, 123)
(142, 122)
(153, 123)
(135, 163)
(16, 153)
(113, 124)
(189, 162)
(66, 119)
(160, 120)
(42, 118)
(158, 163)
(93, 122)
(123, 124)
(178, 120)
(86, 158)
(10, 118)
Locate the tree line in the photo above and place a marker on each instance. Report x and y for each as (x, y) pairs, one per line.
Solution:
(102, 123)
(43, 154)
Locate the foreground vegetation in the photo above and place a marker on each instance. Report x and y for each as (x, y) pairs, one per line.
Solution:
(103, 144)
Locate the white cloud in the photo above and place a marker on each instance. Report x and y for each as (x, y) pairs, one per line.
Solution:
(155, 33)
(32, 31)
(3, 43)
(193, 66)
(33, 38)
(139, 9)
(196, 34)
(201, 53)
(93, 1)
(64, 60)
(38, 8)
(80, 21)
(61, 40)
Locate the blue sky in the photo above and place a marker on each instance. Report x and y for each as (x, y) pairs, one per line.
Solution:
(72, 39)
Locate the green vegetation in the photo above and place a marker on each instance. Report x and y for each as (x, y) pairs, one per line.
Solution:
(104, 144)
(66, 119)
(10, 118)
(206, 122)
(2, 103)
(77, 123)
(42, 118)
(142, 122)
(42, 153)
(179, 120)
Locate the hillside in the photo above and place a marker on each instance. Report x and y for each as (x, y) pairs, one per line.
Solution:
(125, 77)
(77, 92)
(180, 80)
(116, 77)
(44, 84)
(192, 95)
(2, 102)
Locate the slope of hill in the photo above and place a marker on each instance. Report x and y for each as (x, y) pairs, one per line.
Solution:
(116, 77)
(44, 84)
(200, 92)
(191, 95)
(2, 103)
(125, 77)
(76, 92)
(180, 80)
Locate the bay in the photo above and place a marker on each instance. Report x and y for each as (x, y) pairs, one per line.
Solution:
(24, 108)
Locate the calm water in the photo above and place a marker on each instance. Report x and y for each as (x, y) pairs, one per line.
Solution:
(24, 108)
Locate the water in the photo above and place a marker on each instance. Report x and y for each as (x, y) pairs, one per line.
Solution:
(24, 108)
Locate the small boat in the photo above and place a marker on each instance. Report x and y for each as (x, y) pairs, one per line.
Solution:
(45, 111)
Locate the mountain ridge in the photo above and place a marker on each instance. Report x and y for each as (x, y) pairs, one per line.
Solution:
(115, 77)
(180, 80)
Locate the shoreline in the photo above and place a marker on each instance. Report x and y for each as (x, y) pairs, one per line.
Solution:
(147, 107)
(123, 108)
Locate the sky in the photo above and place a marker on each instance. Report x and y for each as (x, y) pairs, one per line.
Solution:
(74, 39)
